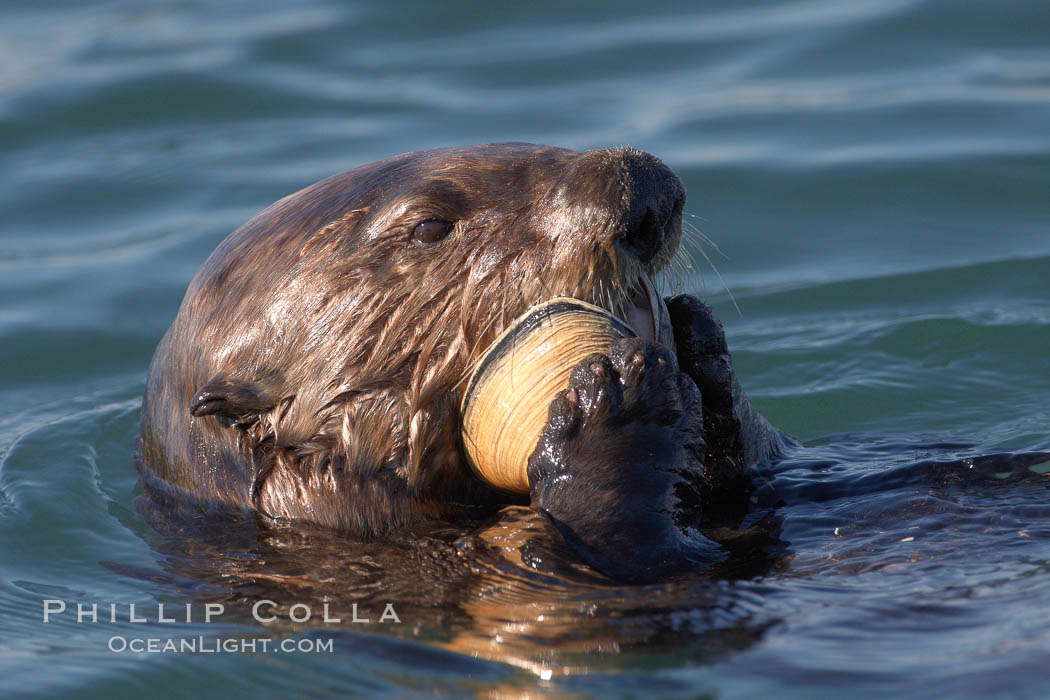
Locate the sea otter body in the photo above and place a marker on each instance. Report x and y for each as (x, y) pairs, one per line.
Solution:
(315, 367)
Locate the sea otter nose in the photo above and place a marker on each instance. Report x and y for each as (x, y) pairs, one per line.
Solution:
(638, 197)
(646, 236)
(656, 197)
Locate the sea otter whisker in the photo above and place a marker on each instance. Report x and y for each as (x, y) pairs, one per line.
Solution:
(703, 252)
(693, 229)
(678, 269)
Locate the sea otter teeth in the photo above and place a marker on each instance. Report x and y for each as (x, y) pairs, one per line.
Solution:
(646, 314)
(643, 314)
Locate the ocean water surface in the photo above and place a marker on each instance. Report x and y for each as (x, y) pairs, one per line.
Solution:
(874, 178)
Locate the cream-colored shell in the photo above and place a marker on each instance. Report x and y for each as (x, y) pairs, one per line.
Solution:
(509, 394)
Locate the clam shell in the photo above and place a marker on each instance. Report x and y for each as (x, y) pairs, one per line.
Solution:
(508, 396)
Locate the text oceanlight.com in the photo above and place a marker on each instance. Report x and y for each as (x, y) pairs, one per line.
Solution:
(265, 612)
(229, 645)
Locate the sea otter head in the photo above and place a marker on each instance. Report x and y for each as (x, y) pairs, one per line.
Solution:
(343, 319)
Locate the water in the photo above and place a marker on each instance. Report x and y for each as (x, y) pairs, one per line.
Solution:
(875, 174)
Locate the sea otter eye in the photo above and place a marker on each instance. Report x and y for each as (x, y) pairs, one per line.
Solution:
(432, 230)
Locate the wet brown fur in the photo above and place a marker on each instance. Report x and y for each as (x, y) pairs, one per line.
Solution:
(343, 341)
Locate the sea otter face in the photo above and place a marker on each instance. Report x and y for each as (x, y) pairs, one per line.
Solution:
(343, 319)
(498, 228)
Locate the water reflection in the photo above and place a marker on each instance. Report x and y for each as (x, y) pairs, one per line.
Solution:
(508, 590)
(853, 539)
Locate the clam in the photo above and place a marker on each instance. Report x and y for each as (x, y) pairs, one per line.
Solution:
(509, 393)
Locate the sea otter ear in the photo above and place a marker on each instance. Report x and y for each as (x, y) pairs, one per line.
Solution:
(233, 401)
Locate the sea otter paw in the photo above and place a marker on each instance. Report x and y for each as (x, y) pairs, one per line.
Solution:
(700, 345)
(632, 399)
(619, 463)
(626, 429)
(736, 436)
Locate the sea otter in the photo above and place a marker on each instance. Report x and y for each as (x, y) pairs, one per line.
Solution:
(314, 369)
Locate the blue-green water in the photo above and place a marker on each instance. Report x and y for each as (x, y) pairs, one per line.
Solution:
(876, 173)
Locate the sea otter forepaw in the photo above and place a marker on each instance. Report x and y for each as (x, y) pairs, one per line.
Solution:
(636, 382)
(595, 389)
(700, 345)
(619, 463)
(650, 378)
(617, 408)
